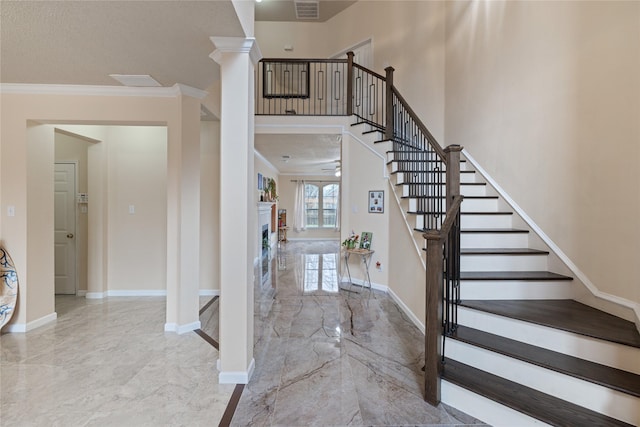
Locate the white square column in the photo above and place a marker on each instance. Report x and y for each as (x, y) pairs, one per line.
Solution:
(183, 214)
(237, 58)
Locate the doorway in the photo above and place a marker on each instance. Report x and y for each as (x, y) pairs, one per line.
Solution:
(65, 228)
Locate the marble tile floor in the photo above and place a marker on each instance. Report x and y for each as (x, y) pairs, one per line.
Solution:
(329, 357)
(324, 356)
(109, 363)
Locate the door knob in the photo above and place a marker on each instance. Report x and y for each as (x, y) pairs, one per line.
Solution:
(70, 236)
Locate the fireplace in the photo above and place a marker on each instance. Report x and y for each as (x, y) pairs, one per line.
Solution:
(265, 210)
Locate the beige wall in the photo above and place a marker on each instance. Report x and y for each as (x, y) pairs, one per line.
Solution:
(209, 206)
(546, 96)
(363, 172)
(137, 157)
(26, 170)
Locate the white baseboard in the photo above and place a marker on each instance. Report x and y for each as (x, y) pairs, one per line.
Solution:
(237, 377)
(406, 311)
(22, 328)
(623, 303)
(362, 283)
(95, 295)
(209, 292)
(137, 293)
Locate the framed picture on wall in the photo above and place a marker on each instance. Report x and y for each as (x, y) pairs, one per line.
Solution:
(376, 201)
(260, 183)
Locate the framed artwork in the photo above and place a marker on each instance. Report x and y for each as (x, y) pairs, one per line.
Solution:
(376, 201)
(365, 239)
(260, 182)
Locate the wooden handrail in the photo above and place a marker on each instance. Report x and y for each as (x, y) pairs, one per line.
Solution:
(332, 61)
(432, 140)
(450, 218)
(373, 73)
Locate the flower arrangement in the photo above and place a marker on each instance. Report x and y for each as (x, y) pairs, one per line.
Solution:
(351, 241)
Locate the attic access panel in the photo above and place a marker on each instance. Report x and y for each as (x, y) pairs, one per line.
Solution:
(288, 79)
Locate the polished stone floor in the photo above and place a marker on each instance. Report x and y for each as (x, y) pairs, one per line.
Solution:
(109, 363)
(325, 356)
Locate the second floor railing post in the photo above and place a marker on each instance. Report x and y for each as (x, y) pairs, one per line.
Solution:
(453, 172)
(389, 116)
(433, 320)
(349, 83)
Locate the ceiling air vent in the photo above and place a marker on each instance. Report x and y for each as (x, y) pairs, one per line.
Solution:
(307, 9)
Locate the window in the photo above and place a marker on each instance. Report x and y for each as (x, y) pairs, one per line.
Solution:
(321, 204)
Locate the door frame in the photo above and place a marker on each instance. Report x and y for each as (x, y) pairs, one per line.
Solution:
(75, 222)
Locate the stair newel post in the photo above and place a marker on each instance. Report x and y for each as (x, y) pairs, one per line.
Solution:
(349, 83)
(453, 172)
(389, 125)
(433, 321)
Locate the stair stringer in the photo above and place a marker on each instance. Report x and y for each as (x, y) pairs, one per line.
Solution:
(584, 290)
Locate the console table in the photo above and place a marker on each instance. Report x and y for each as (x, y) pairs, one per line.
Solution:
(366, 256)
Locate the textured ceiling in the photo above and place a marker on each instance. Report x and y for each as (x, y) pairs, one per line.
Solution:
(82, 42)
(284, 10)
(309, 154)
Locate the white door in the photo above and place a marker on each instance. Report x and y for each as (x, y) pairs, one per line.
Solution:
(65, 228)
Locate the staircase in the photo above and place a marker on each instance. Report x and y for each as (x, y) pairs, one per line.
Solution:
(524, 352)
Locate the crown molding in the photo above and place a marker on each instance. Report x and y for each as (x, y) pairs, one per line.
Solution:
(89, 90)
(181, 89)
(235, 45)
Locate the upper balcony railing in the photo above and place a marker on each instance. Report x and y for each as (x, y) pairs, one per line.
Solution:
(339, 87)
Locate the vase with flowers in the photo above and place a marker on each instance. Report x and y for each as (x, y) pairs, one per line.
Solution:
(352, 241)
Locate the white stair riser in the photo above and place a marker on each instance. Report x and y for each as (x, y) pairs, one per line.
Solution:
(603, 352)
(464, 177)
(479, 205)
(503, 262)
(486, 221)
(494, 240)
(394, 156)
(466, 190)
(514, 289)
(487, 410)
(592, 396)
(468, 205)
(473, 190)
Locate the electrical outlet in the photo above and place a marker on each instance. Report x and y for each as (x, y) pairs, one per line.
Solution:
(378, 266)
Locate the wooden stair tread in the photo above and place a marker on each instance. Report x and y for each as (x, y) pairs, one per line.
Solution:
(531, 402)
(512, 275)
(502, 251)
(442, 197)
(566, 315)
(493, 230)
(613, 378)
(461, 213)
